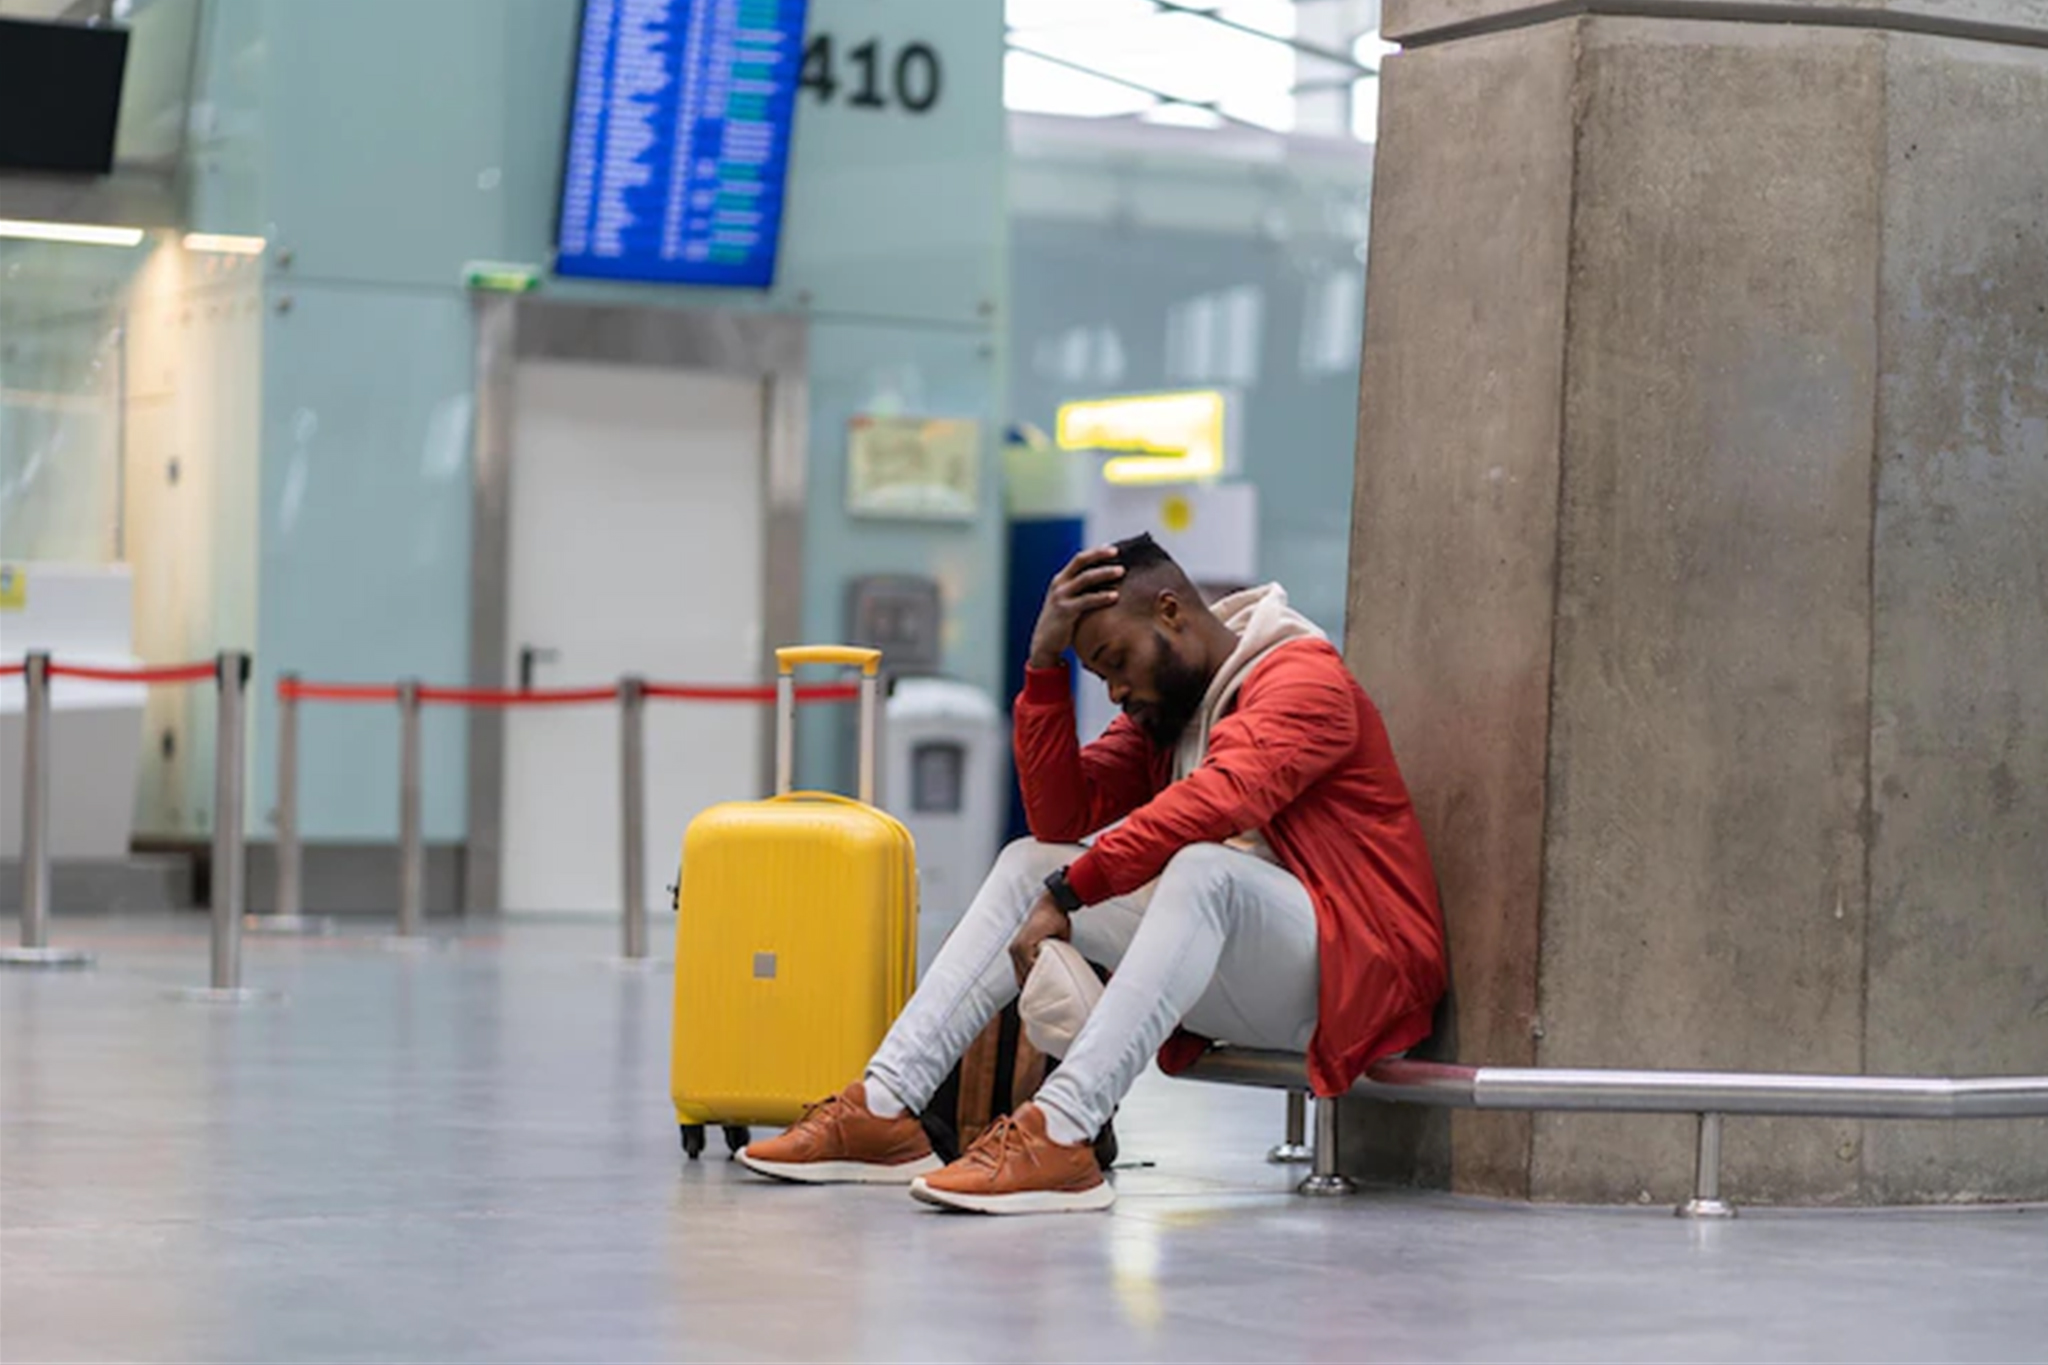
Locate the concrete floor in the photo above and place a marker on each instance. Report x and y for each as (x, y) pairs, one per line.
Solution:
(468, 1154)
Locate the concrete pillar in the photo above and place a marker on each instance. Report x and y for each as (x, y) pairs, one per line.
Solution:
(1700, 565)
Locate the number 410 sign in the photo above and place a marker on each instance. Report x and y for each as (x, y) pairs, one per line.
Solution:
(872, 77)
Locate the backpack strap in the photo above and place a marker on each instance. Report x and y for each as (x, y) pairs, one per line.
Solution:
(1027, 1074)
(978, 1084)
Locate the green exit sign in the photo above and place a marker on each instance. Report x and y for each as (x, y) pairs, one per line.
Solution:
(501, 277)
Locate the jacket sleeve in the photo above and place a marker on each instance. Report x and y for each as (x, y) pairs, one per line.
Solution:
(1295, 721)
(1071, 792)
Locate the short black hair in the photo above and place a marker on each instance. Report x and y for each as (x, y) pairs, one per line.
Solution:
(1146, 562)
(1140, 552)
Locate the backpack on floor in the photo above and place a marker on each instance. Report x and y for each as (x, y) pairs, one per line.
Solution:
(1000, 1072)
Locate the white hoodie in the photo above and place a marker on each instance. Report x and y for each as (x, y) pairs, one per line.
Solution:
(1262, 622)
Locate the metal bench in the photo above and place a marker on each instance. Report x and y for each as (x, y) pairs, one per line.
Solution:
(1706, 1094)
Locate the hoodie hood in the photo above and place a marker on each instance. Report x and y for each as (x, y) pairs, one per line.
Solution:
(1262, 622)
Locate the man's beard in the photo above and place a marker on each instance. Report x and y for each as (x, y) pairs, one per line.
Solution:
(1181, 687)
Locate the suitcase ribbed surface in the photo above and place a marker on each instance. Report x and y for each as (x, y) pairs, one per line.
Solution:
(795, 949)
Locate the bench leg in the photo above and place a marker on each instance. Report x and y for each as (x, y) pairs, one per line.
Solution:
(1706, 1201)
(1295, 1151)
(1324, 1178)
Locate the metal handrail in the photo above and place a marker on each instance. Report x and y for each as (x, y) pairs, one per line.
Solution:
(1584, 1089)
(1707, 1094)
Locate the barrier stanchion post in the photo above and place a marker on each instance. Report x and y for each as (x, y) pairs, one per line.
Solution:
(633, 815)
(290, 886)
(35, 949)
(231, 682)
(287, 917)
(35, 802)
(230, 842)
(412, 854)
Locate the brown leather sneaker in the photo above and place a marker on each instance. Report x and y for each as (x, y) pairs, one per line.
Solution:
(840, 1142)
(1015, 1167)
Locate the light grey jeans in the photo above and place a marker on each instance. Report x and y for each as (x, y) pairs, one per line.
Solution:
(1223, 941)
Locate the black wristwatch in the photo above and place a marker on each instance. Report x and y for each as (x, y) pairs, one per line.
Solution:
(1062, 892)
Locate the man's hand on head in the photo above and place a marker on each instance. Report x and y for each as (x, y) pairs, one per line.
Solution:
(1086, 584)
(1045, 921)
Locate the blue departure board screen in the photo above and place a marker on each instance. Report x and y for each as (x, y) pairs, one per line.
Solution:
(679, 140)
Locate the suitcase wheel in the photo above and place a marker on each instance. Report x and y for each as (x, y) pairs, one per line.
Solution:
(736, 1137)
(693, 1140)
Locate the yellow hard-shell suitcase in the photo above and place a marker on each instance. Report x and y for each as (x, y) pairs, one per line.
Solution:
(796, 935)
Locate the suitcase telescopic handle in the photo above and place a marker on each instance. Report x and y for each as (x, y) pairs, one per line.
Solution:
(792, 657)
(787, 661)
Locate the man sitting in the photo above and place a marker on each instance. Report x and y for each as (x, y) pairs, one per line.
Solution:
(1267, 887)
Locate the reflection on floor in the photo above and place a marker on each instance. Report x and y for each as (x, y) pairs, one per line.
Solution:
(467, 1155)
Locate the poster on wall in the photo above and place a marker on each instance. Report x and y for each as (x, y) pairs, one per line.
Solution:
(920, 468)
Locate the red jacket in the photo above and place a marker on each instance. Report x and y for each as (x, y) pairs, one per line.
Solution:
(1304, 757)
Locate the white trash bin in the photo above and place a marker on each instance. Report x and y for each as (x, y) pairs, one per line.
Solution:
(942, 760)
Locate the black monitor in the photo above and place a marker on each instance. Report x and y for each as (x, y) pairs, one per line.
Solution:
(60, 96)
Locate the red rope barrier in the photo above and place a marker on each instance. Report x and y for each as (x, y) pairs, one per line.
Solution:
(823, 692)
(386, 694)
(290, 690)
(177, 673)
(497, 696)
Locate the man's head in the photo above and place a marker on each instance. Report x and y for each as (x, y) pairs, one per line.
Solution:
(1158, 646)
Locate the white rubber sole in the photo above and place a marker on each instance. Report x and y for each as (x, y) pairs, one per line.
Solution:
(1033, 1201)
(842, 1172)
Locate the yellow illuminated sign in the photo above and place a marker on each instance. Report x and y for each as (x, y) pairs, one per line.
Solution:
(225, 243)
(1171, 437)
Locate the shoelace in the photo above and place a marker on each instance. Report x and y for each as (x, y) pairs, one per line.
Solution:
(825, 1112)
(997, 1142)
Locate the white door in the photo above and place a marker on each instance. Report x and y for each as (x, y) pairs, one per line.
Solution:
(636, 542)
